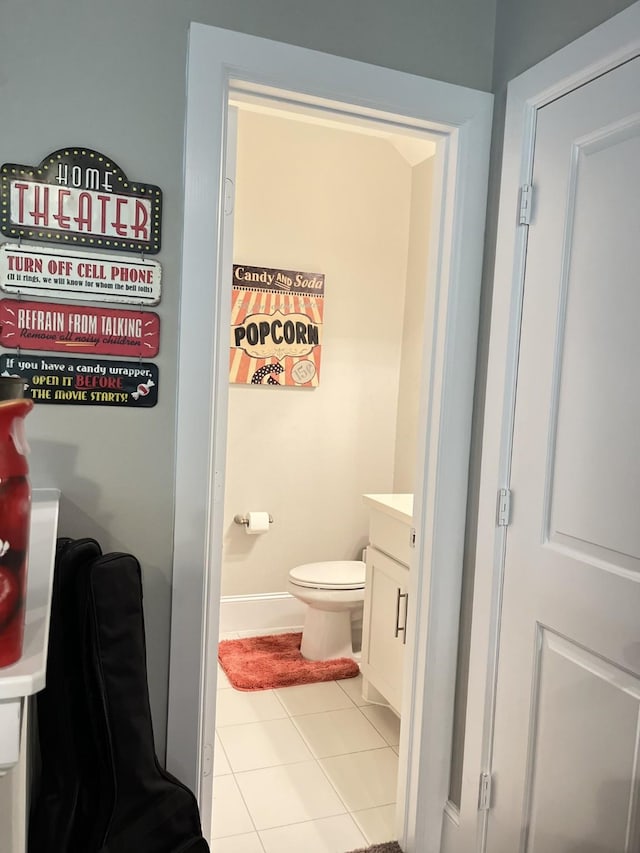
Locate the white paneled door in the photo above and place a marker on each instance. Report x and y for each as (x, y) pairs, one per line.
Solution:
(567, 725)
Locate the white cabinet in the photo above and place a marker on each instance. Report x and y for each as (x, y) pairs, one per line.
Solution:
(384, 627)
(386, 604)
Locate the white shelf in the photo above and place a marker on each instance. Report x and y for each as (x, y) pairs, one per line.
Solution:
(27, 676)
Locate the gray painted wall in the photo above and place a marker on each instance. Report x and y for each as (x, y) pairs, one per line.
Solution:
(111, 76)
(526, 33)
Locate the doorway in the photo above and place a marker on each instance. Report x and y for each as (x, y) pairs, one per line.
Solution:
(349, 202)
(460, 120)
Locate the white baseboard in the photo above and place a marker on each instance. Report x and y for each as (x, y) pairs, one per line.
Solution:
(276, 611)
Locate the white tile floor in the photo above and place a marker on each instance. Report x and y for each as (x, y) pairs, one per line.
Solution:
(308, 769)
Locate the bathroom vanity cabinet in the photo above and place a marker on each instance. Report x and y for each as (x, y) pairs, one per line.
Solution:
(386, 603)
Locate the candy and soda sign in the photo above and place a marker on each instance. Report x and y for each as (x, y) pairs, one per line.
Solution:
(276, 326)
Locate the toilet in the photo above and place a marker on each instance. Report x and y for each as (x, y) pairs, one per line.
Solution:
(332, 591)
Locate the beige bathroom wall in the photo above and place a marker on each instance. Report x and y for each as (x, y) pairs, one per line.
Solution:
(411, 364)
(324, 200)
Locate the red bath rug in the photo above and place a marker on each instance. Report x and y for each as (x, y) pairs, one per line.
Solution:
(262, 663)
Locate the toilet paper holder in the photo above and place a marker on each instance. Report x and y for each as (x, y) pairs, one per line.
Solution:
(243, 519)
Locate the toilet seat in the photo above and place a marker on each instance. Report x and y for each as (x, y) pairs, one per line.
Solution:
(335, 574)
(333, 593)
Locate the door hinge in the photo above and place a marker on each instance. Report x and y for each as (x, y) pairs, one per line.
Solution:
(412, 538)
(207, 759)
(504, 507)
(229, 196)
(524, 215)
(484, 792)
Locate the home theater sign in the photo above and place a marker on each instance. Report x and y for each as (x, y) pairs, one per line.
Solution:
(79, 197)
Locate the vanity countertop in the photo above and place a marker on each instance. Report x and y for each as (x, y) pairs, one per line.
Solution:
(397, 506)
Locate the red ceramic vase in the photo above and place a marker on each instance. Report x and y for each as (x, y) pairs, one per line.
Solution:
(15, 512)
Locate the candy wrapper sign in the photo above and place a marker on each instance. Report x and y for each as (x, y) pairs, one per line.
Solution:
(83, 381)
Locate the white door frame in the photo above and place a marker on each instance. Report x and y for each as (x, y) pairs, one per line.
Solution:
(612, 43)
(461, 119)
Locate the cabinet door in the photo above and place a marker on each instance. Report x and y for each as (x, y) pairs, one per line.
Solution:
(385, 615)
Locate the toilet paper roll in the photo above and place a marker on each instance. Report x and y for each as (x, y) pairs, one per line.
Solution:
(258, 523)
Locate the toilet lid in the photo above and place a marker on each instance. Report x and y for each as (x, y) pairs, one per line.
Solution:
(334, 574)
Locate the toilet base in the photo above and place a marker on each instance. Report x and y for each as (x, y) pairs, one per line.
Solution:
(326, 634)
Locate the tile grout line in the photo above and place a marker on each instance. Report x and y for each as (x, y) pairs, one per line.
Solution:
(382, 735)
(291, 716)
(246, 805)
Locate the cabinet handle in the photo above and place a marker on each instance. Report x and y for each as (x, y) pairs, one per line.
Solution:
(406, 616)
(400, 595)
